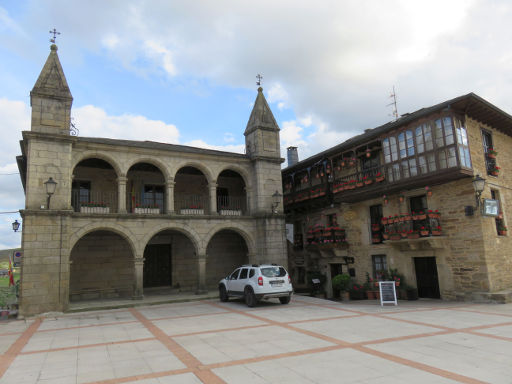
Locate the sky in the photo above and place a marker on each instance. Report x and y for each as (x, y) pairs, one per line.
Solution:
(184, 72)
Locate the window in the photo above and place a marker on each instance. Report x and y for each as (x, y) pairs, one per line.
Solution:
(252, 272)
(462, 141)
(500, 223)
(490, 163)
(375, 221)
(234, 275)
(243, 273)
(380, 266)
(154, 195)
(80, 193)
(418, 204)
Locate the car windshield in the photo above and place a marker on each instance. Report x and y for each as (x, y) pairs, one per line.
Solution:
(273, 271)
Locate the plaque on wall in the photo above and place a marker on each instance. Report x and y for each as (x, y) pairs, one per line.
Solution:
(349, 215)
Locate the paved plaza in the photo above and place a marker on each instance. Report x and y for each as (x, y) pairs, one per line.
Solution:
(308, 341)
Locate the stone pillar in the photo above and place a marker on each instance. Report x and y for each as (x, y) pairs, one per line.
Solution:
(170, 195)
(201, 283)
(213, 198)
(121, 194)
(138, 291)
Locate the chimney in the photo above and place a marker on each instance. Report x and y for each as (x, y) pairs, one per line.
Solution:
(293, 156)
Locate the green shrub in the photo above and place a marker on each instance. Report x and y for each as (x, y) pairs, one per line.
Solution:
(341, 282)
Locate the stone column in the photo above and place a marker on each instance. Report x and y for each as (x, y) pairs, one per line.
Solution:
(213, 198)
(121, 194)
(170, 195)
(138, 291)
(201, 283)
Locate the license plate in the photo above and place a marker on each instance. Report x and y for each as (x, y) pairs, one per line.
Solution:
(277, 283)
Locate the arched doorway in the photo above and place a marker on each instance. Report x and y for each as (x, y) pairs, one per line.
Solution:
(170, 262)
(94, 186)
(101, 267)
(231, 194)
(226, 250)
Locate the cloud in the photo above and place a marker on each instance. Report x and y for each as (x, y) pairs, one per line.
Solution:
(95, 122)
(240, 148)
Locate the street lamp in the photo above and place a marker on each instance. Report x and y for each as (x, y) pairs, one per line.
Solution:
(479, 185)
(276, 199)
(50, 185)
(15, 226)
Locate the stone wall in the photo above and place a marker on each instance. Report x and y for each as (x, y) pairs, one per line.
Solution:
(226, 251)
(101, 266)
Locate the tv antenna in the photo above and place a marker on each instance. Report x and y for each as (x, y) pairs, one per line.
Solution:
(54, 33)
(259, 77)
(393, 103)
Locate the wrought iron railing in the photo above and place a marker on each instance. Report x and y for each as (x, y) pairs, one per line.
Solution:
(192, 204)
(231, 205)
(86, 201)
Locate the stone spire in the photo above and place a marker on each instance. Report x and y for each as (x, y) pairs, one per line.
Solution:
(261, 116)
(51, 98)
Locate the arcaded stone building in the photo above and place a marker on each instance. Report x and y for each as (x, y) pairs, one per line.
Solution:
(402, 196)
(128, 216)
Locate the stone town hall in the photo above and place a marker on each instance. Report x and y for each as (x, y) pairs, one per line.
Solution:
(127, 216)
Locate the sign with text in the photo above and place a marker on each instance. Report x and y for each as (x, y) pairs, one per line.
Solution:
(387, 292)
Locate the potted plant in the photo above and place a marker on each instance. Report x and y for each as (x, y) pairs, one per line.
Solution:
(340, 284)
(356, 292)
(424, 231)
(421, 215)
(436, 231)
(491, 153)
(369, 287)
(401, 198)
(429, 191)
(413, 234)
(495, 170)
(367, 180)
(379, 177)
(502, 230)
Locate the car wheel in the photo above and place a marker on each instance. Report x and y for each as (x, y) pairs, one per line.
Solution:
(223, 295)
(285, 299)
(250, 297)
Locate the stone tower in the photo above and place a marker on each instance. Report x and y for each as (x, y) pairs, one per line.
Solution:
(263, 148)
(51, 99)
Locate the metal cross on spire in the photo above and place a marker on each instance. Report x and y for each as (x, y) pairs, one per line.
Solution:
(259, 77)
(55, 33)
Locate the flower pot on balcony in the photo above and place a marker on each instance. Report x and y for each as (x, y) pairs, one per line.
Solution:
(414, 235)
(231, 212)
(395, 236)
(359, 184)
(149, 211)
(192, 211)
(379, 179)
(502, 233)
(436, 233)
(368, 182)
(494, 173)
(84, 209)
(385, 236)
(403, 235)
(424, 233)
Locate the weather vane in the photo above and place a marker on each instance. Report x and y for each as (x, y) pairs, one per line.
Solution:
(55, 33)
(259, 77)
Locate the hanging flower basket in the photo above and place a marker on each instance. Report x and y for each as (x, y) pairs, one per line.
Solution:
(379, 177)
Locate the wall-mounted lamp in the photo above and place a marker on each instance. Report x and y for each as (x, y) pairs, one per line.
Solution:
(276, 199)
(50, 185)
(15, 226)
(478, 185)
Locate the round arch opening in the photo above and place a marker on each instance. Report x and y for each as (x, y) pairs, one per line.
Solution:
(145, 189)
(191, 194)
(101, 267)
(226, 251)
(231, 194)
(94, 187)
(170, 263)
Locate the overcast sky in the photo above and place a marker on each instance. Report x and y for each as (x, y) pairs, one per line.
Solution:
(184, 71)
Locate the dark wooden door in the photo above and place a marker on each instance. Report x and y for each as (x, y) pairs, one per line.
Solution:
(426, 277)
(157, 265)
(336, 269)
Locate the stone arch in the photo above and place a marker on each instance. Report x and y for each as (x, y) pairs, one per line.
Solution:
(241, 171)
(245, 233)
(101, 264)
(124, 232)
(182, 228)
(194, 164)
(153, 161)
(99, 155)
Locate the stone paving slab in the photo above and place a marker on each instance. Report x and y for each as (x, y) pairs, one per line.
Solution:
(310, 340)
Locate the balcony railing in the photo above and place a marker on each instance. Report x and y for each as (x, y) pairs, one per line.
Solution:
(192, 204)
(86, 201)
(146, 203)
(231, 205)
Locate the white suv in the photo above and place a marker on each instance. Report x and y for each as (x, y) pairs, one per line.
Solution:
(257, 282)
